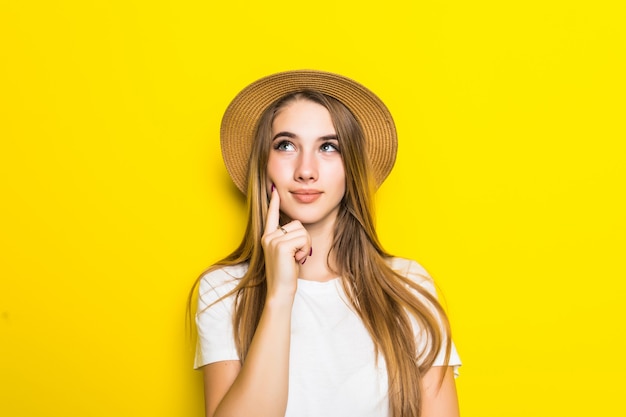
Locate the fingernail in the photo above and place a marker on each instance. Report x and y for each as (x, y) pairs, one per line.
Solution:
(303, 261)
(311, 251)
(273, 187)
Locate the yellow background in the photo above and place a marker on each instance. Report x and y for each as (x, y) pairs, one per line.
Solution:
(509, 187)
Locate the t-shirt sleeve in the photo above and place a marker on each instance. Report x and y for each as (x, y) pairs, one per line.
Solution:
(215, 340)
(419, 275)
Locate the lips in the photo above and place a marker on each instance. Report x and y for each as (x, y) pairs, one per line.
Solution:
(306, 196)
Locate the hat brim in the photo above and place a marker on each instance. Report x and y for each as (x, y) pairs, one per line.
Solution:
(240, 120)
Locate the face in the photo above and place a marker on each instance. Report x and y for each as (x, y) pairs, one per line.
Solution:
(305, 164)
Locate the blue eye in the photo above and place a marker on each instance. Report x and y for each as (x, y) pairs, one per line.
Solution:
(284, 145)
(329, 147)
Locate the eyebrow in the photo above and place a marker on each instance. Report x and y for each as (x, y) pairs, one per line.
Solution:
(293, 135)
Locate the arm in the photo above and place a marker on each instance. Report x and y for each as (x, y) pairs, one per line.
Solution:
(438, 385)
(439, 395)
(259, 386)
(218, 378)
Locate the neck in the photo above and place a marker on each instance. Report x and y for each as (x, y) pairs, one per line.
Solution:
(316, 267)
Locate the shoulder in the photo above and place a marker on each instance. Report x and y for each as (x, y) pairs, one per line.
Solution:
(414, 272)
(222, 279)
(410, 269)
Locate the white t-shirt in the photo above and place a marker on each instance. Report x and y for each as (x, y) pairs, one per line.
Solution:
(332, 365)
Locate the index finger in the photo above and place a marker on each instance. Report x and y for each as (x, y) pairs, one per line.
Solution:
(273, 212)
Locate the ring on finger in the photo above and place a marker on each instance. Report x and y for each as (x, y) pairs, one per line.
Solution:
(282, 229)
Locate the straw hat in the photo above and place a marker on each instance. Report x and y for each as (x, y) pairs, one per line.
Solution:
(242, 116)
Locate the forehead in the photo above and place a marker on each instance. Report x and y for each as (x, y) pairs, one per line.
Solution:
(302, 113)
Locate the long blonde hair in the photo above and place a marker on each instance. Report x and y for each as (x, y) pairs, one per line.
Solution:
(384, 300)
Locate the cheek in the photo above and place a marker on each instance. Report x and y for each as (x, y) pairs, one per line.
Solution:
(343, 187)
(338, 178)
(275, 170)
(337, 172)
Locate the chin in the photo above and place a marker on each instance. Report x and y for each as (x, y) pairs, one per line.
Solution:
(310, 218)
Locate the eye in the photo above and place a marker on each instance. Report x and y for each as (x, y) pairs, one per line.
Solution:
(329, 147)
(284, 145)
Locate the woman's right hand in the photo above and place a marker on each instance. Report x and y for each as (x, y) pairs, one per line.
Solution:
(260, 385)
(286, 248)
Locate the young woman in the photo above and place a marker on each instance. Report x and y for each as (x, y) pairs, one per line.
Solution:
(309, 316)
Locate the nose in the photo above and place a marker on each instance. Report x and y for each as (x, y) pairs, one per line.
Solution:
(306, 169)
